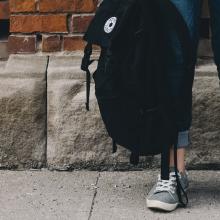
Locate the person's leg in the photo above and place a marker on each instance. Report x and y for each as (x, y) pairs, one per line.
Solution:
(163, 195)
(180, 159)
(214, 6)
(190, 11)
(183, 143)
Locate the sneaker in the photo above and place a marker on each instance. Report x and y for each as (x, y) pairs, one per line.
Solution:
(163, 195)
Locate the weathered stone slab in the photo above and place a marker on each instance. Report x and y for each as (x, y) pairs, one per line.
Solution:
(205, 132)
(206, 67)
(2, 65)
(3, 49)
(67, 67)
(25, 66)
(23, 112)
(205, 48)
(78, 139)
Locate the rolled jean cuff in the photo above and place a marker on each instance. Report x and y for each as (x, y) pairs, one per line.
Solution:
(183, 139)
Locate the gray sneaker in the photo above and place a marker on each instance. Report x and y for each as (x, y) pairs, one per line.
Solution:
(163, 195)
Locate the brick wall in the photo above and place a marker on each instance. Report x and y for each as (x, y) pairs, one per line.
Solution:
(48, 25)
(55, 25)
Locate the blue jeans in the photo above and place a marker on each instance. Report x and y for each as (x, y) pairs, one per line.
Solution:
(191, 11)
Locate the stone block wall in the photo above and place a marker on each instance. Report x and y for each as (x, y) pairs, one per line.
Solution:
(44, 122)
(23, 112)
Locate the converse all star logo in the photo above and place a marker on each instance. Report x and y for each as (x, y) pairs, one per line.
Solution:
(110, 24)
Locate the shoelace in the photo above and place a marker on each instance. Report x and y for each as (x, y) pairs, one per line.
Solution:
(167, 185)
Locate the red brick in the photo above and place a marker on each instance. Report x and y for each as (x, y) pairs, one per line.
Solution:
(80, 6)
(56, 5)
(51, 43)
(38, 23)
(80, 23)
(4, 10)
(22, 44)
(22, 5)
(72, 43)
(86, 5)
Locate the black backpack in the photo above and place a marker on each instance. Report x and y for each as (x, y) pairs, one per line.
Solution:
(131, 83)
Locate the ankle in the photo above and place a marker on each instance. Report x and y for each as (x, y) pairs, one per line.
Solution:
(179, 169)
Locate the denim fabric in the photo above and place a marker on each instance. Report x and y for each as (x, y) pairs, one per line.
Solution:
(191, 10)
(183, 139)
(214, 6)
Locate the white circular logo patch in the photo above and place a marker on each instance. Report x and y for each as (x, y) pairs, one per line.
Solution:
(110, 24)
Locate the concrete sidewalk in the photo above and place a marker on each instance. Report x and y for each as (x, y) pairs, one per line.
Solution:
(84, 195)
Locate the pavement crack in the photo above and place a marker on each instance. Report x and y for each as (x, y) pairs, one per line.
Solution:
(94, 196)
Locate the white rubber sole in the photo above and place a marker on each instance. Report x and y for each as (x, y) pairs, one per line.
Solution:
(154, 204)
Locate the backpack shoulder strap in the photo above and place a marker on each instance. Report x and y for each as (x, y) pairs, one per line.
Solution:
(86, 61)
